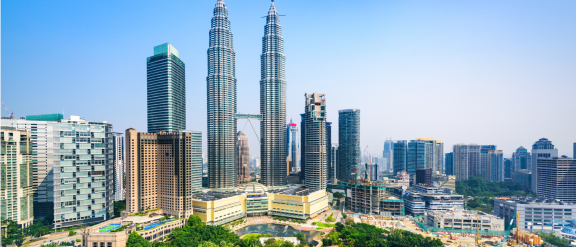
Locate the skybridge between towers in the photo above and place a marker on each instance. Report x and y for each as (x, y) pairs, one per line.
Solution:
(248, 117)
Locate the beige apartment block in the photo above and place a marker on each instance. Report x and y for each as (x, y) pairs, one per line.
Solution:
(163, 170)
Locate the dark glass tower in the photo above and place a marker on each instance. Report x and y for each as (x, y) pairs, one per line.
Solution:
(273, 103)
(166, 90)
(221, 102)
(349, 156)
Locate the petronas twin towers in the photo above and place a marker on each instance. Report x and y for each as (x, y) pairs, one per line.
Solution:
(221, 102)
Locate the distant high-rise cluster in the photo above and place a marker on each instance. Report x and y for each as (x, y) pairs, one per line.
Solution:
(422, 153)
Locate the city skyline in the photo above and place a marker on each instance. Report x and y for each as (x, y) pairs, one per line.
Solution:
(514, 130)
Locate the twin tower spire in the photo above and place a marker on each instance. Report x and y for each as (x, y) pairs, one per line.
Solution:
(222, 107)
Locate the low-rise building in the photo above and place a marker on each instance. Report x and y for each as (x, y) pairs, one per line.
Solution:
(535, 214)
(464, 219)
(417, 203)
(150, 228)
(220, 206)
(568, 232)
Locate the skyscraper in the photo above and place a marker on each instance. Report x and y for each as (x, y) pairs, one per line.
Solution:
(316, 157)
(434, 154)
(333, 161)
(166, 90)
(556, 179)
(80, 163)
(118, 166)
(349, 156)
(574, 151)
(508, 169)
(163, 171)
(466, 161)
(43, 158)
(521, 159)
(400, 156)
(221, 105)
(388, 153)
(302, 147)
(273, 103)
(16, 176)
(449, 164)
(293, 145)
(243, 159)
(485, 161)
(328, 152)
(416, 158)
(496, 161)
(541, 149)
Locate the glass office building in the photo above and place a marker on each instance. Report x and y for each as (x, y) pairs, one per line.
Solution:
(349, 156)
(400, 158)
(449, 164)
(166, 89)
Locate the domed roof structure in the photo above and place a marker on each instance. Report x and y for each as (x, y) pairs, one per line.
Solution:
(252, 188)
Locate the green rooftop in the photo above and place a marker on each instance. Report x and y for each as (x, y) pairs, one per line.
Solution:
(45, 117)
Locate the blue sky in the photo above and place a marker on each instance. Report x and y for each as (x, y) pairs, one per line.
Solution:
(486, 72)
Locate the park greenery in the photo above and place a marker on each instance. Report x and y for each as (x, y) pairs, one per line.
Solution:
(552, 239)
(119, 206)
(477, 186)
(17, 235)
(360, 234)
(330, 218)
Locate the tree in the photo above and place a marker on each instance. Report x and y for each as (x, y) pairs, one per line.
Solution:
(119, 206)
(348, 221)
(14, 234)
(300, 237)
(195, 221)
(329, 190)
(71, 233)
(135, 240)
(338, 195)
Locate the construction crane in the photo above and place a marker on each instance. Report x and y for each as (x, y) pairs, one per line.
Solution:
(6, 108)
(477, 231)
(510, 226)
(364, 153)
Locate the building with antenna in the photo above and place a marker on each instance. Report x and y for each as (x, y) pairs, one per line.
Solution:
(273, 103)
(221, 101)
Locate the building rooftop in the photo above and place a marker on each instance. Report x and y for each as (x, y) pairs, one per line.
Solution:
(462, 214)
(536, 201)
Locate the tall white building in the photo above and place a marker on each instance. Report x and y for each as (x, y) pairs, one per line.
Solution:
(79, 179)
(119, 166)
(315, 129)
(542, 149)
